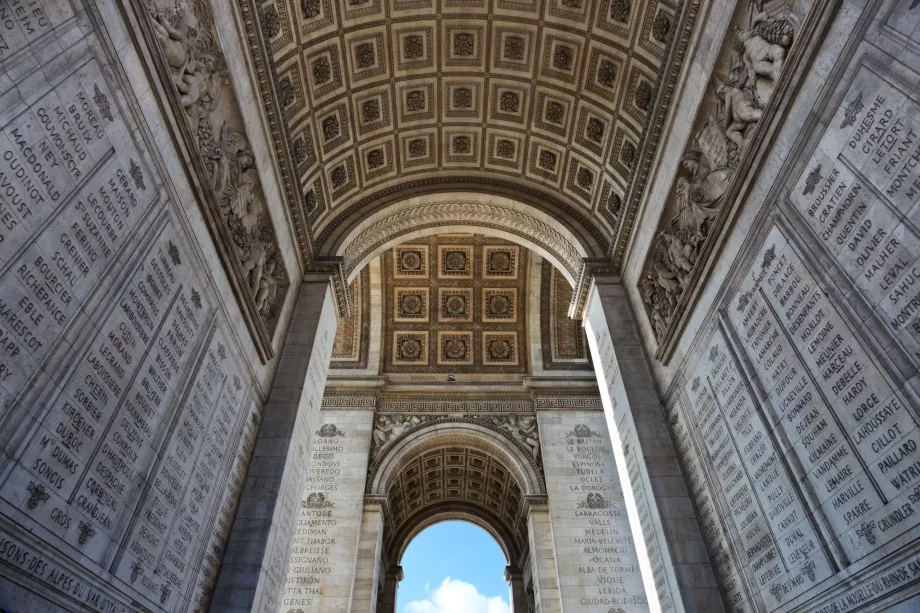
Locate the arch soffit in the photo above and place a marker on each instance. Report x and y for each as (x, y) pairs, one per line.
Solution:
(438, 435)
(454, 511)
(456, 212)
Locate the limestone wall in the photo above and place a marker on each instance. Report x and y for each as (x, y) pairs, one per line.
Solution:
(130, 392)
(792, 393)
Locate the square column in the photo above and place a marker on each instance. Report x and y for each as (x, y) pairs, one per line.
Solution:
(597, 559)
(515, 579)
(391, 581)
(370, 562)
(544, 574)
(253, 570)
(321, 568)
(673, 557)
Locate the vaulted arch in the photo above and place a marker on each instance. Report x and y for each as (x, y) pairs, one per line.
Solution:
(459, 212)
(458, 470)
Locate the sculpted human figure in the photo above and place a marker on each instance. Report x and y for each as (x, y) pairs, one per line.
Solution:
(528, 433)
(267, 284)
(176, 43)
(764, 45)
(679, 253)
(505, 422)
(196, 80)
(738, 111)
(707, 184)
(254, 264)
(382, 431)
(227, 153)
(402, 423)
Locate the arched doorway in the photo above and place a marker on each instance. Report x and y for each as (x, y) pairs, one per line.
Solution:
(432, 398)
(456, 470)
(454, 566)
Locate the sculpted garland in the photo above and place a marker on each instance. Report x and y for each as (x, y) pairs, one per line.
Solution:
(199, 75)
(708, 165)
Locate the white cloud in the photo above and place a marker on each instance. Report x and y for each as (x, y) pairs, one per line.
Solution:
(455, 596)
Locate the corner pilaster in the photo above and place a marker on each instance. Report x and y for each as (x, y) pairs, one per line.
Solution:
(253, 570)
(678, 572)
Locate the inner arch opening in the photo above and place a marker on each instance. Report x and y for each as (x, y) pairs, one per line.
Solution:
(454, 566)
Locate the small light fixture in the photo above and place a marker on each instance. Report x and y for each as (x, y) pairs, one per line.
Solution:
(451, 379)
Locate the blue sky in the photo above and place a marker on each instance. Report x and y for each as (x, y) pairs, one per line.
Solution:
(453, 567)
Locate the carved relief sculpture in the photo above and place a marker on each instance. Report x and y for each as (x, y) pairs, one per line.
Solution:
(710, 161)
(520, 428)
(198, 70)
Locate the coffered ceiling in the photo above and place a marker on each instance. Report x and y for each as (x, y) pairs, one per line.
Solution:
(548, 97)
(455, 304)
(450, 476)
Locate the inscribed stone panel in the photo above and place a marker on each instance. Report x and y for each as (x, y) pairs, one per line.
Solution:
(596, 557)
(321, 567)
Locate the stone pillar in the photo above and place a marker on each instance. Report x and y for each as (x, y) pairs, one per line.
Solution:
(588, 513)
(515, 579)
(253, 569)
(390, 585)
(545, 576)
(370, 557)
(677, 572)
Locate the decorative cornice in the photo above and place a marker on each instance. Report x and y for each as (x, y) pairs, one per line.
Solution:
(532, 503)
(333, 267)
(590, 268)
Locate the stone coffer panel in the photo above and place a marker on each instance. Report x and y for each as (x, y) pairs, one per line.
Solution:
(129, 403)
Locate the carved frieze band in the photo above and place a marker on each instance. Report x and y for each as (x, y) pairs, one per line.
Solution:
(569, 402)
(192, 65)
(461, 213)
(441, 403)
(751, 81)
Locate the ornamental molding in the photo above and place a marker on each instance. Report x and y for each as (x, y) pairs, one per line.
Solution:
(371, 204)
(443, 403)
(569, 401)
(349, 399)
(332, 266)
(466, 213)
